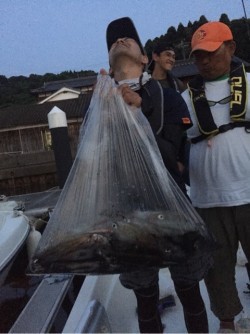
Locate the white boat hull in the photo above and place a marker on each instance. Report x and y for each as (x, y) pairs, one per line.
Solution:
(14, 230)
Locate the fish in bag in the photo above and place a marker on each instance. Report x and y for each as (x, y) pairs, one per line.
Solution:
(120, 210)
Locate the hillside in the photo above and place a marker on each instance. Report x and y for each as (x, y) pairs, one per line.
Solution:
(16, 90)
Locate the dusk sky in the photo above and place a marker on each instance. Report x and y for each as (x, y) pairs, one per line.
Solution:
(52, 36)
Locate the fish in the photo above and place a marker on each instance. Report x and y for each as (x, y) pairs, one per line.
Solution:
(125, 243)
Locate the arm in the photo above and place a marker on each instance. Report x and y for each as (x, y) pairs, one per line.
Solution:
(169, 143)
(173, 136)
(130, 97)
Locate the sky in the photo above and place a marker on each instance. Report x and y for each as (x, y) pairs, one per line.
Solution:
(52, 36)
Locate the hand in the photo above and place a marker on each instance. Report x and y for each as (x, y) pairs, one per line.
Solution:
(103, 71)
(181, 167)
(130, 97)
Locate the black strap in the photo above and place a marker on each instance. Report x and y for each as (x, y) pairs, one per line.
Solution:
(238, 87)
(224, 128)
(173, 82)
(207, 126)
(202, 110)
(153, 104)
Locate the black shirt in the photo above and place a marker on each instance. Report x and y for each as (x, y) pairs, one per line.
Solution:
(176, 119)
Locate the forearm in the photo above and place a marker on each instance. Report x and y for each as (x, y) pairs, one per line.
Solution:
(169, 143)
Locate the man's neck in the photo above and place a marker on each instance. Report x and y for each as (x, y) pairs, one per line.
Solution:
(220, 78)
(127, 70)
(159, 73)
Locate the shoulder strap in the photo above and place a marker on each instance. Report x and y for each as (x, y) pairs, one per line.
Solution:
(238, 104)
(205, 120)
(172, 81)
(175, 83)
(153, 105)
(238, 84)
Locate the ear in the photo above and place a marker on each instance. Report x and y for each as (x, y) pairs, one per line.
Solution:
(232, 47)
(144, 59)
(155, 56)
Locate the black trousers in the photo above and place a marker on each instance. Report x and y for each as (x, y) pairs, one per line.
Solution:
(194, 310)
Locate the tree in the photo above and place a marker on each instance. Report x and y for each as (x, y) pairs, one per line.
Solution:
(224, 19)
(171, 35)
(203, 20)
(16, 90)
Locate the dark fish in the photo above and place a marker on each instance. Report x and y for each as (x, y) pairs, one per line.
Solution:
(123, 244)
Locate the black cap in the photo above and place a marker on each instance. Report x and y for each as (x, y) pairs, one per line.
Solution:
(162, 46)
(120, 28)
(158, 48)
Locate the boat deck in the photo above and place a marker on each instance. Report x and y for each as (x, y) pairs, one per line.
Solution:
(118, 305)
(104, 306)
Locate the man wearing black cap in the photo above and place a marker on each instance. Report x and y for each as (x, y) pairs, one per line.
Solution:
(121, 35)
(168, 117)
(163, 60)
(160, 67)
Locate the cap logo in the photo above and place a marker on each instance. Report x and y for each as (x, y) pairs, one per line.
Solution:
(201, 34)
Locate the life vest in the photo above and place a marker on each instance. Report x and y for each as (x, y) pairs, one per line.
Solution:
(238, 104)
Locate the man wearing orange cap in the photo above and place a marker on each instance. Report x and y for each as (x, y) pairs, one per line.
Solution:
(219, 105)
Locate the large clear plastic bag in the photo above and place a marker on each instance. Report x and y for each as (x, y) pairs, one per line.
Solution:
(120, 209)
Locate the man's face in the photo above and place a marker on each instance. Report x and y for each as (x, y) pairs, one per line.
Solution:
(212, 65)
(165, 60)
(124, 47)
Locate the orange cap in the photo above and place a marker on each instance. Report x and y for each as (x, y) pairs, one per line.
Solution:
(210, 36)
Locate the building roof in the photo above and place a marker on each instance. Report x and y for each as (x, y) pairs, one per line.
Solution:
(184, 68)
(61, 93)
(187, 68)
(53, 86)
(36, 114)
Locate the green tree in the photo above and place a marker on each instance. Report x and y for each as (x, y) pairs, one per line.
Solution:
(224, 19)
(16, 90)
